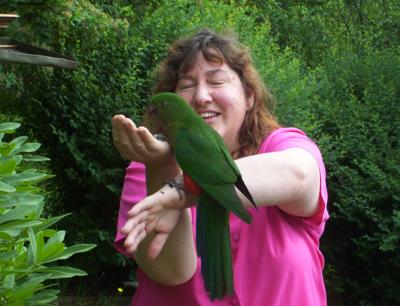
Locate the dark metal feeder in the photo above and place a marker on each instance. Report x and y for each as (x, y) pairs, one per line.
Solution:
(14, 51)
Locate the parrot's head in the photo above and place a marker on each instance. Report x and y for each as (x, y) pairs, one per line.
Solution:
(166, 110)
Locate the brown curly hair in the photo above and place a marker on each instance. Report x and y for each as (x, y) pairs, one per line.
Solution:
(225, 47)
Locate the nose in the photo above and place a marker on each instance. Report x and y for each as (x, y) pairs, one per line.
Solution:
(202, 96)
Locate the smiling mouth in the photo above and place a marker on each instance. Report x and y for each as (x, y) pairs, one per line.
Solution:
(207, 115)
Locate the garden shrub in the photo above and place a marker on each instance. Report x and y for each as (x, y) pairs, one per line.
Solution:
(30, 249)
(358, 134)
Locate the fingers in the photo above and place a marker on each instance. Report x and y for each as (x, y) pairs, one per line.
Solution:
(137, 143)
(143, 206)
(153, 145)
(134, 222)
(147, 138)
(122, 127)
(132, 133)
(127, 140)
(133, 239)
(136, 229)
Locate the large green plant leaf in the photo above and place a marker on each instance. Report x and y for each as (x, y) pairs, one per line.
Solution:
(19, 224)
(8, 164)
(68, 252)
(17, 143)
(44, 297)
(63, 272)
(6, 187)
(23, 199)
(24, 177)
(9, 127)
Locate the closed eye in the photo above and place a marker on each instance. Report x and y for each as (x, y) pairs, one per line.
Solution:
(216, 82)
(185, 86)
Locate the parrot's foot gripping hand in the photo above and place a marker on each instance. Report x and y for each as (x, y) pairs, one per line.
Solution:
(187, 192)
(178, 184)
(160, 137)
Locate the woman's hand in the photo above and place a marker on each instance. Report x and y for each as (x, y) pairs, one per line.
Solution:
(138, 144)
(156, 215)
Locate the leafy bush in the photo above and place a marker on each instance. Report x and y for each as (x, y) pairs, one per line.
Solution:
(361, 145)
(30, 249)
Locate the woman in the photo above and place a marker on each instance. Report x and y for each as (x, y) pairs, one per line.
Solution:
(276, 259)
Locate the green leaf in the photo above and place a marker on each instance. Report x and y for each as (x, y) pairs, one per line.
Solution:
(49, 233)
(49, 222)
(6, 188)
(35, 158)
(17, 213)
(8, 164)
(19, 224)
(28, 147)
(9, 127)
(24, 177)
(17, 142)
(5, 236)
(52, 249)
(54, 245)
(43, 297)
(68, 252)
(11, 200)
(9, 281)
(6, 148)
(63, 272)
(29, 287)
(39, 245)
(32, 244)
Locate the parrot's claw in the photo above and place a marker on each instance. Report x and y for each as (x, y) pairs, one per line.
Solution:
(160, 137)
(178, 184)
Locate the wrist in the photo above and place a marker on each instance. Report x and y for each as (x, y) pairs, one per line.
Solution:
(185, 196)
(167, 164)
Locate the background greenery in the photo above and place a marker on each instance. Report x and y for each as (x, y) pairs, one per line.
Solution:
(333, 65)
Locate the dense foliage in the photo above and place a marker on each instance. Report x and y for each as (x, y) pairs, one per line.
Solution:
(30, 249)
(333, 66)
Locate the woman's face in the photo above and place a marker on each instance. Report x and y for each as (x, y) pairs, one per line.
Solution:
(217, 94)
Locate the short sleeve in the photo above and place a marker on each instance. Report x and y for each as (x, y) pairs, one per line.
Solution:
(133, 190)
(285, 138)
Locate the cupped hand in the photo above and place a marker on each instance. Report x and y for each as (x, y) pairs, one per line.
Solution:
(137, 143)
(157, 215)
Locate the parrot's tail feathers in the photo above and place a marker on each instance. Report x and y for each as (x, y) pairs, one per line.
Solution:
(226, 196)
(213, 247)
(243, 189)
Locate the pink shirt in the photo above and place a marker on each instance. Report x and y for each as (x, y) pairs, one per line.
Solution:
(276, 259)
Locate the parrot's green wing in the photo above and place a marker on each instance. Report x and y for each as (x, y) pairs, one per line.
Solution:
(199, 155)
(197, 146)
(239, 181)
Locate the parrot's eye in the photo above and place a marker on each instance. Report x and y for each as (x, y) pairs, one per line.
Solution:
(153, 111)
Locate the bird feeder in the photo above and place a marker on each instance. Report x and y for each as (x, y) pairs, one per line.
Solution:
(14, 51)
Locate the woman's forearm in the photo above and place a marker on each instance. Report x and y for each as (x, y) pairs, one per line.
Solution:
(288, 179)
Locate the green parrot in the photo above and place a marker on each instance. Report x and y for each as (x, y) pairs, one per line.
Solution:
(204, 159)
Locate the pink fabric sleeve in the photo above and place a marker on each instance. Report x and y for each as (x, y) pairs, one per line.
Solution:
(133, 191)
(285, 138)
